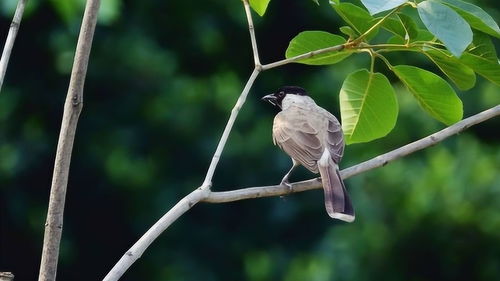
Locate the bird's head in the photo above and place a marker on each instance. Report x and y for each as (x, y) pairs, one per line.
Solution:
(277, 97)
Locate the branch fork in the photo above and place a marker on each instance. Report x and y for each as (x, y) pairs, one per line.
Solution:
(204, 194)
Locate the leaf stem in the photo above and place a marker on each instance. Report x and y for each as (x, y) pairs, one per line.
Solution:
(372, 60)
(366, 33)
(428, 42)
(384, 59)
(390, 46)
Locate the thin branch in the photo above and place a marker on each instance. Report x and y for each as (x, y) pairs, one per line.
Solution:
(11, 37)
(207, 183)
(203, 191)
(161, 225)
(72, 108)
(379, 161)
(186, 203)
(205, 195)
(251, 28)
(384, 59)
(303, 56)
(311, 54)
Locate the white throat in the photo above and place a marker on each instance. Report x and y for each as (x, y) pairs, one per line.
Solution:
(296, 100)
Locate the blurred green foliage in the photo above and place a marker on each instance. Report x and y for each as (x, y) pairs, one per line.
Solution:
(162, 79)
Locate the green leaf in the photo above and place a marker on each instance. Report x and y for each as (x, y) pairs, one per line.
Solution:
(447, 25)
(424, 35)
(462, 75)
(377, 6)
(475, 16)
(316, 1)
(359, 19)
(394, 26)
(402, 25)
(308, 41)
(482, 46)
(488, 69)
(259, 6)
(347, 30)
(410, 25)
(433, 93)
(481, 57)
(368, 106)
(396, 40)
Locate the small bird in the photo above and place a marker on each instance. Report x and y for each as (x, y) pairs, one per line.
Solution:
(313, 137)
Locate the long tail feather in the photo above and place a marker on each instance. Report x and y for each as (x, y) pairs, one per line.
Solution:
(337, 202)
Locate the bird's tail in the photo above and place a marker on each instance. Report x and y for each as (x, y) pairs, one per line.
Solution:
(337, 202)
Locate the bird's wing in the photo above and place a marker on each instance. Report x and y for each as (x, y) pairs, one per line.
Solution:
(293, 134)
(335, 138)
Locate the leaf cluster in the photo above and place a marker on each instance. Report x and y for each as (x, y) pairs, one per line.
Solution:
(455, 36)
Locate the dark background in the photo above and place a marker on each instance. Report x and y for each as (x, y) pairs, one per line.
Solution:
(162, 79)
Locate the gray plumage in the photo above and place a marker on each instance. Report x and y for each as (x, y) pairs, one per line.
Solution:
(313, 137)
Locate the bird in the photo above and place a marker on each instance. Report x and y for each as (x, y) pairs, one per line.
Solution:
(313, 138)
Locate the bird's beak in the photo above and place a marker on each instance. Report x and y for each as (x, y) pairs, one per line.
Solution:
(271, 98)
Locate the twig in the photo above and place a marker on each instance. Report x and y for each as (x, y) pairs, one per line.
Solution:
(303, 56)
(203, 193)
(379, 161)
(352, 44)
(207, 183)
(72, 108)
(186, 203)
(251, 28)
(11, 37)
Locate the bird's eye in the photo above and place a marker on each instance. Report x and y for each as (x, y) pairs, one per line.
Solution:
(281, 94)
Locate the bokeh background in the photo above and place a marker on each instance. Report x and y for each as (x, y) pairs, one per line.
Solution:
(162, 79)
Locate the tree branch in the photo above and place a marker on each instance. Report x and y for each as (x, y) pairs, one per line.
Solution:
(72, 108)
(251, 28)
(11, 37)
(203, 193)
(207, 183)
(186, 203)
(379, 161)
(303, 56)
